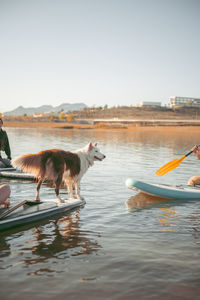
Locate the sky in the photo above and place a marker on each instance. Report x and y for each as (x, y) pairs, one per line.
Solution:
(99, 52)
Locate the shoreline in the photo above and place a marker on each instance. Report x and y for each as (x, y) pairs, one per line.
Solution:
(176, 126)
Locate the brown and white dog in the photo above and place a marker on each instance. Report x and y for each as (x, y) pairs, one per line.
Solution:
(59, 165)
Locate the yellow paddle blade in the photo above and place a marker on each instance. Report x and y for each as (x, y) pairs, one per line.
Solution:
(170, 166)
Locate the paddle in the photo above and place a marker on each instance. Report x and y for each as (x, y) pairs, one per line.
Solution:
(171, 165)
(7, 212)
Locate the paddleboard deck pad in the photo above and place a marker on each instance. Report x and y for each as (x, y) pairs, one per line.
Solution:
(183, 192)
(31, 212)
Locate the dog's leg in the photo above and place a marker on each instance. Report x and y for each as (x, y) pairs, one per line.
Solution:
(76, 185)
(37, 197)
(57, 187)
(70, 188)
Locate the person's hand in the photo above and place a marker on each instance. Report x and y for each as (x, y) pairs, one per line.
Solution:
(196, 151)
(5, 204)
(194, 148)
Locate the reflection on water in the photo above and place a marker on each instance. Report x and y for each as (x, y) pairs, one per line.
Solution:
(168, 218)
(143, 200)
(105, 251)
(59, 239)
(168, 215)
(66, 235)
(41, 137)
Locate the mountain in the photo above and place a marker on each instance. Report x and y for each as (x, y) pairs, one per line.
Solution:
(45, 109)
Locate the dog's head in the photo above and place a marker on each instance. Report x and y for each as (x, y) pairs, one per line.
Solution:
(94, 153)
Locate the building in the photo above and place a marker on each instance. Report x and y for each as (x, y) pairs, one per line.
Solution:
(148, 103)
(184, 102)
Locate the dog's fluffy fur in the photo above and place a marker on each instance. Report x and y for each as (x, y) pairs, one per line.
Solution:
(59, 165)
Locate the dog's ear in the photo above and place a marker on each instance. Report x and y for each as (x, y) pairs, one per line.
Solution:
(89, 146)
(95, 144)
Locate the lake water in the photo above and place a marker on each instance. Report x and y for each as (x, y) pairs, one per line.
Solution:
(117, 246)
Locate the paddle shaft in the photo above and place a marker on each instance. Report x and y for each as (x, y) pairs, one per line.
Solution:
(27, 202)
(188, 153)
(7, 212)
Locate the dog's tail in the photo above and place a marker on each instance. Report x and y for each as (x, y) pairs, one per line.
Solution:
(30, 163)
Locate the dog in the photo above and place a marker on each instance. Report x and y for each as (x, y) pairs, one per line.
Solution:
(59, 165)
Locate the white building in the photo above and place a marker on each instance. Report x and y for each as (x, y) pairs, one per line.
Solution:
(148, 103)
(184, 102)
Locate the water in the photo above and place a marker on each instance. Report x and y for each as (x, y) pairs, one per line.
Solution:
(117, 246)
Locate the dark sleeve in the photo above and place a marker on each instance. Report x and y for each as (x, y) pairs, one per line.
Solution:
(7, 147)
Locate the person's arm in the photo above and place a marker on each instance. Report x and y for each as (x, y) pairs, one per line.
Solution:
(1, 138)
(7, 147)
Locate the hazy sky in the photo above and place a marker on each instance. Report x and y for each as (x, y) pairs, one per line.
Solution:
(115, 52)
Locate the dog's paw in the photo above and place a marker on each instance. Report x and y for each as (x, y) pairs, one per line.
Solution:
(60, 201)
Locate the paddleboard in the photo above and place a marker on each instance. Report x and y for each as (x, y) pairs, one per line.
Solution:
(16, 174)
(28, 213)
(184, 192)
(8, 169)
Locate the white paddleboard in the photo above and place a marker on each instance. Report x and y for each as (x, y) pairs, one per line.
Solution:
(166, 191)
(27, 214)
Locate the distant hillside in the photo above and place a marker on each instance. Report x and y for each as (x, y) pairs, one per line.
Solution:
(19, 111)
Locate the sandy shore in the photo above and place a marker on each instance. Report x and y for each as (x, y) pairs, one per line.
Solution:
(116, 127)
